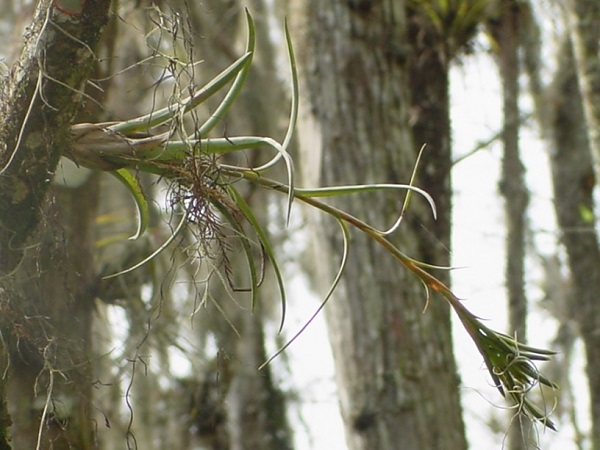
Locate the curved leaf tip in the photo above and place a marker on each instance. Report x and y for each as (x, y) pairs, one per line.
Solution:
(131, 182)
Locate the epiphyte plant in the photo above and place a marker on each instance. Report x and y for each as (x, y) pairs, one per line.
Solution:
(192, 163)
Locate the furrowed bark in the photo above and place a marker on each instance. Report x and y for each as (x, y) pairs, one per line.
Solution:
(37, 104)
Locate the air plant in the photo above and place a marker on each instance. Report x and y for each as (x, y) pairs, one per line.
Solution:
(192, 164)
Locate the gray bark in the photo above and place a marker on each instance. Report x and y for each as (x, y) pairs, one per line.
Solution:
(37, 103)
(505, 30)
(46, 329)
(394, 364)
(583, 20)
(47, 296)
(560, 109)
(574, 181)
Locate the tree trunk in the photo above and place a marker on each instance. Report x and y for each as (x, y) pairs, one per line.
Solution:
(37, 103)
(47, 295)
(583, 19)
(574, 182)
(512, 185)
(396, 374)
(46, 327)
(505, 30)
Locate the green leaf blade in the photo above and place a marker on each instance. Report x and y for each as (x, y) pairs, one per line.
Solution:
(131, 182)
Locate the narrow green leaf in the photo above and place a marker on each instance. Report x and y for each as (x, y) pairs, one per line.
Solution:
(291, 123)
(148, 121)
(132, 184)
(295, 89)
(174, 150)
(237, 85)
(333, 191)
(154, 254)
(409, 192)
(338, 277)
(247, 249)
(264, 240)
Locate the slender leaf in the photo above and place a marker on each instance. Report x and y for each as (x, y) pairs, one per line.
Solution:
(154, 254)
(247, 249)
(237, 85)
(336, 280)
(264, 240)
(132, 184)
(291, 123)
(148, 121)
